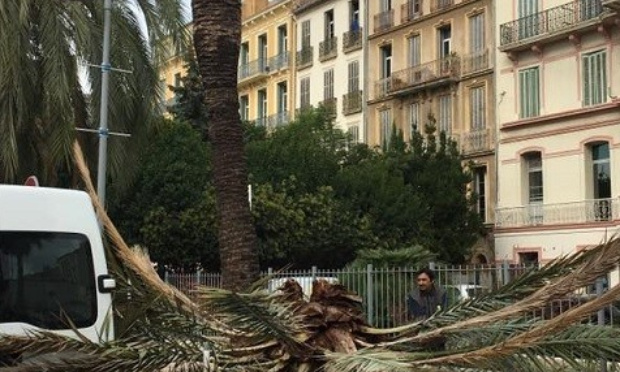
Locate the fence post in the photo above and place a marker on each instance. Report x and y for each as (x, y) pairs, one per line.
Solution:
(370, 295)
(166, 278)
(505, 273)
(431, 265)
(314, 269)
(197, 277)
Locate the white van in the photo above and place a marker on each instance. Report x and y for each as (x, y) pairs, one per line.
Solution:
(52, 264)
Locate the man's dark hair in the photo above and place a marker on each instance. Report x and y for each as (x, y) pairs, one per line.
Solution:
(430, 273)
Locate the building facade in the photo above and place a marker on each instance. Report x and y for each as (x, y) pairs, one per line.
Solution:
(330, 60)
(434, 59)
(266, 83)
(558, 82)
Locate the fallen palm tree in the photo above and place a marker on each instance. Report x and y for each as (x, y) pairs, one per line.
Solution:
(160, 328)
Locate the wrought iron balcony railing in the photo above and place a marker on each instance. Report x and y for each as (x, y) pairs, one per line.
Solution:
(279, 62)
(479, 140)
(436, 72)
(257, 67)
(273, 121)
(411, 10)
(328, 48)
(352, 102)
(305, 56)
(586, 211)
(475, 62)
(384, 21)
(352, 40)
(383, 87)
(549, 22)
(437, 5)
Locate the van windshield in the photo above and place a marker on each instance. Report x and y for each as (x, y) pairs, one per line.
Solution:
(46, 278)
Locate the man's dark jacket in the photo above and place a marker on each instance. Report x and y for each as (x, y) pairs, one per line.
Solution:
(423, 304)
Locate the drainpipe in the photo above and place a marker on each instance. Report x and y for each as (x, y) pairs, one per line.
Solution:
(365, 95)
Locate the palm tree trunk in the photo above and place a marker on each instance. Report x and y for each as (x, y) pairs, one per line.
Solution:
(217, 34)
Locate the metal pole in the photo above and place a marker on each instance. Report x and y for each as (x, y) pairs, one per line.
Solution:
(601, 316)
(103, 113)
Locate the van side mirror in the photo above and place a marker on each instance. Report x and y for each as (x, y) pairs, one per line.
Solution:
(106, 283)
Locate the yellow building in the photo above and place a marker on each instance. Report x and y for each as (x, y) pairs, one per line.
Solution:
(434, 57)
(265, 83)
(265, 77)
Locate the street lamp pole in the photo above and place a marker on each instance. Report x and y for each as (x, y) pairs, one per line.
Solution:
(103, 113)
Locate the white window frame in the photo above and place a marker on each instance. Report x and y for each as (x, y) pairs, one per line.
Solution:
(594, 77)
(477, 108)
(328, 84)
(529, 92)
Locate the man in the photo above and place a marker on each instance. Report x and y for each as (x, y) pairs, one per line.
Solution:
(427, 298)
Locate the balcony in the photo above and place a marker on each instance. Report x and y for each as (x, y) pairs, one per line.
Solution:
(352, 40)
(476, 141)
(439, 5)
(352, 102)
(476, 62)
(384, 21)
(304, 57)
(279, 62)
(328, 49)
(612, 4)
(252, 71)
(428, 75)
(410, 11)
(273, 121)
(330, 105)
(551, 24)
(586, 211)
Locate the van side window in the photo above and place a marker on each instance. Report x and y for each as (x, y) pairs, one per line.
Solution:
(46, 277)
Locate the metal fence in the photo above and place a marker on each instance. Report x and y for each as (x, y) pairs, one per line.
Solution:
(383, 290)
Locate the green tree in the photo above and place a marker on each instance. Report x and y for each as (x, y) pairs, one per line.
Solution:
(307, 229)
(189, 98)
(42, 99)
(309, 149)
(170, 210)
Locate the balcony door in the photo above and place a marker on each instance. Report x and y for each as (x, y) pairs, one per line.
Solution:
(528, 18)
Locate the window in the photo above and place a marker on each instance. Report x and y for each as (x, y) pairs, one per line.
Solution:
(594, 78)
(354, 133)
(414, 8)
(262, 104)
(445, 41)
(244, 54)
(329, 24)
(529, 92)
(262, 52)
(386, 127)
(477, 110)
(304, 92)
(282, 40)
(305, 34)
(480, 175)
(414, 116)
(328, 84)
(445, 114)
(528, 258)
(529, 16)
(533, 163)
(46, 274)
(386, 61)
(244, 108)
(386, 5)
(601, 181)
(282, 97)
(354, 77)
(354, 14)
(477, 40)
(178, 80)
(414, 50)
